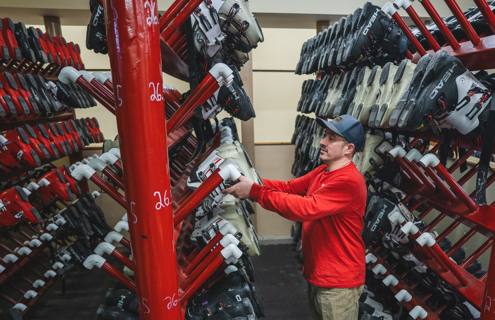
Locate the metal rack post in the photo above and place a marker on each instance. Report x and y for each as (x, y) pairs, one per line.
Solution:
(135, 57)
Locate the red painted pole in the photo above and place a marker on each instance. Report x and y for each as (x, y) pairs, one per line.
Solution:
(487, 311)
(463, 21)
(95, 94)
(440, 24)
(203, 277)
(171, 13)
(421, 175)
(114, 177)
(134, 49)
(450, 228)
(210, 184)
(122, 258)
(177, 44)
(108, 94)
(201, 267)
(461, 242)
(119, 166)
(111, 270)
(452, 266)
(439, 183)
(409, 55)
(117, 196)
(402, 24)
(409, 171)
(213, 242)
(421, 26)
(435, 221)
(197, 97)
(456, 188)
(487, 13)
(180, 19)
(108, 84)
(126, 243)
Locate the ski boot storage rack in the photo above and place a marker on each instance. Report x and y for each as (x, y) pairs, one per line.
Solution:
(21, 267)
(422, 175)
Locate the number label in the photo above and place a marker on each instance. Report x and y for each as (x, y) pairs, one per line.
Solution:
(156, 96)
(133, 214)
(118, 95)
(143, 303)
(172, 302)
(152, 19)
(162, 203)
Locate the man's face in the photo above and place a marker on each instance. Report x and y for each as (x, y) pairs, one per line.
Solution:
(333, 147)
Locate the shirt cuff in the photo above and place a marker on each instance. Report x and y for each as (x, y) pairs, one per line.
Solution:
(255, 192)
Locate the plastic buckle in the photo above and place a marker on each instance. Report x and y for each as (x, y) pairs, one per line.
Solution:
(215, 227)
(206, 235)
(202, 176)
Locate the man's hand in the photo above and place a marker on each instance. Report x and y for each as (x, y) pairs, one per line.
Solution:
(241, 189)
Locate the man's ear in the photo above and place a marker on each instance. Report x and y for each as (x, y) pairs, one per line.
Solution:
(350, 148)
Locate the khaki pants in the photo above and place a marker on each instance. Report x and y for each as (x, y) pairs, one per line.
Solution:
(334, 303)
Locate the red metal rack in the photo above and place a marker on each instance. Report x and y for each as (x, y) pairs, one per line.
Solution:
(424, 177)
(168, 269)
(35, 250)
(455, 203)
(475, 53)
(137, 79)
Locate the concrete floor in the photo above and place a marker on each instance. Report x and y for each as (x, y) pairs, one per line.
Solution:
(279, 285)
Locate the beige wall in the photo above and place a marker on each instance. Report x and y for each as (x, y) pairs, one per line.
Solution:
(273, 162)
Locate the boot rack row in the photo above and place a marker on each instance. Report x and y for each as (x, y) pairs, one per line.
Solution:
(423, 174)
(474, 52)
(195, 267)
(27, 267)
(454, 202)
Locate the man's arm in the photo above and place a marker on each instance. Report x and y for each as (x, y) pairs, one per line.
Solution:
(328, 200)
(295, 186)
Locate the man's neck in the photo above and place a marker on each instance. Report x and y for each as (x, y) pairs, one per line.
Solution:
(335, 165)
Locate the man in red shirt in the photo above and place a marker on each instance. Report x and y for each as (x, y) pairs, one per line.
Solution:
(330, 201)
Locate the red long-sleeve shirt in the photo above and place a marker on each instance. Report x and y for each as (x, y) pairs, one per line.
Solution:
(331, 206)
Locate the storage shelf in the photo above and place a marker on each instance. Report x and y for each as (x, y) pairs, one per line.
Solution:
(17, 121)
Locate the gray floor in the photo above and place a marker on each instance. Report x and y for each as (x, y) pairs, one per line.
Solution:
(84, 291)
(279, 285)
